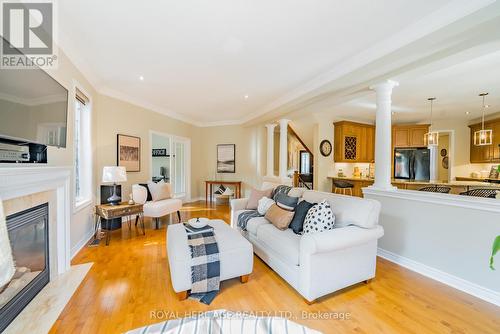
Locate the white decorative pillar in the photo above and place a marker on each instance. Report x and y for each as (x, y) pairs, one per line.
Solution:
(383, 132)
(283, 148)
(270, 149)
(434, 162)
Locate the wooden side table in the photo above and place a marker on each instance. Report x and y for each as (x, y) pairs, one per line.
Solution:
(108, 211)
(209, 190)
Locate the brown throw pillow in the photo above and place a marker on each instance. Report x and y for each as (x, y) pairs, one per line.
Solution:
(279, 217)
(255, 196)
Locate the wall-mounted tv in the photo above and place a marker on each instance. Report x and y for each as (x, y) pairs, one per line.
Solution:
(33, 107)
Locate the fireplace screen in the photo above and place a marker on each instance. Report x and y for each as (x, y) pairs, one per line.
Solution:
(28, 234)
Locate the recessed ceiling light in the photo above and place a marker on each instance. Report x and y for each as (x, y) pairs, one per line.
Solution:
(246, 97)
(141, 78)
(467, 112)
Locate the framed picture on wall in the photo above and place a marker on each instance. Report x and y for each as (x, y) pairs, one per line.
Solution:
(226, 162)
(128, 152)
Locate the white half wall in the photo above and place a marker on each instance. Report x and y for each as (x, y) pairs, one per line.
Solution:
(446, 237)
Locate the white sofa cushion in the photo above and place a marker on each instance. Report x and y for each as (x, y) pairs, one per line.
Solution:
(160, 191)
(139, 194)
(254, 223)
(162, 208)
(264, 204)
(285, 244)
(348, 210)
(296, 192)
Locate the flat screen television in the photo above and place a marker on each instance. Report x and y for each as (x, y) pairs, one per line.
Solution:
(33, 107)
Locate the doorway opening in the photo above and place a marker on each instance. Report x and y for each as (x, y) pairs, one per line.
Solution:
(170, 161)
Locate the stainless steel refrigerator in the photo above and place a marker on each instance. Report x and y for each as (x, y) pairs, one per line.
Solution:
(412, 164)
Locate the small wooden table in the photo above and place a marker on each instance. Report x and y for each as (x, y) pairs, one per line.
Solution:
(108, 211)
(209, 190)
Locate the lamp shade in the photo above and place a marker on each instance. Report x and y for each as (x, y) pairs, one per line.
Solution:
(114, 174)
(483, 137)
(431, 138)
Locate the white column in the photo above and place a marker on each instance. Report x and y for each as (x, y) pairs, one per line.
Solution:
(383, 134)
(270, 149)
(283, 148)
(434, 163)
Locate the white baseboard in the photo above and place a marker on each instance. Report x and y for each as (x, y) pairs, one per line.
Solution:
(80, 244)
(196, 199)
(443, 277)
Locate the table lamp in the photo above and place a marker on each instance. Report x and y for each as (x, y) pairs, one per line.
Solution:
(114, 174)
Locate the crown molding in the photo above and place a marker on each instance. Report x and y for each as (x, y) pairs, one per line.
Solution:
(429, 24)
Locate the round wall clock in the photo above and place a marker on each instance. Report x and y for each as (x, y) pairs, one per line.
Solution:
(325, 147)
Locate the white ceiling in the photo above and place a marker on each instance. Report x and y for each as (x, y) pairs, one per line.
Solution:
(200, 58)
(455, 85)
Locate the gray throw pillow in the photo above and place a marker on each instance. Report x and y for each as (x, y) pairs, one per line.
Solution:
(297, 224)
(286, 202)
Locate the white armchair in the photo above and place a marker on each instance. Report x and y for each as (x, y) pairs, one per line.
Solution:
(156, 209)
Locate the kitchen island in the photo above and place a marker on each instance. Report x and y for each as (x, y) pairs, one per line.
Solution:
(456, 186)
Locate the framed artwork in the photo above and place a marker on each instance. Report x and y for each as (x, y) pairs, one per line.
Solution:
(226, 162)
(128, 152)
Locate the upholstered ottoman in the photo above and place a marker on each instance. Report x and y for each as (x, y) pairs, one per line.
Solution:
(235, 255)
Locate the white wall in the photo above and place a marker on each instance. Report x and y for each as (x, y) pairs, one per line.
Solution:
(323, 166)
(250, 155)
(444, 235)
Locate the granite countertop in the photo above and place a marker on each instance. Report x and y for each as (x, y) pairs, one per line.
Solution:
(424, 183)
(351, 178)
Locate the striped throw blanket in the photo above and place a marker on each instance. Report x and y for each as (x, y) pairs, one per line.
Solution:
(225, 322)
(281, 189)
(205, 265)
(245, 216)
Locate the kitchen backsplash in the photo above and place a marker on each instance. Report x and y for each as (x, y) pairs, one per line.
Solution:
(348, 168)
(476, 170)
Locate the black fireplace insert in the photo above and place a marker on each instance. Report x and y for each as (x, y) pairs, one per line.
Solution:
(29, 239)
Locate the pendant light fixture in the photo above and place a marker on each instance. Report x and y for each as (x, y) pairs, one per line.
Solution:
(431, 138)
(483, 137)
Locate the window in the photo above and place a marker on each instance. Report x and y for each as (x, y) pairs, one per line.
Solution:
(83, 164)
(305, 162)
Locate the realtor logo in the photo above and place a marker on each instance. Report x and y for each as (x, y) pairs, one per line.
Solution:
(28, 35)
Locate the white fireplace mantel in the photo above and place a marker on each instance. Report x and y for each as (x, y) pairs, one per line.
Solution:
(20, 181)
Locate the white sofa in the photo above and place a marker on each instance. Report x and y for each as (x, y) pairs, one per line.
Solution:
(156, 209)
(319, 264)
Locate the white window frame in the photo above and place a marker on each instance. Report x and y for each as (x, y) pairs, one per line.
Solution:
(86, 199)
(185, 197)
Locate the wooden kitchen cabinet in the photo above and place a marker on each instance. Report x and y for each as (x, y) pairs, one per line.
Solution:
(486, 153)
(354, 142)
(409, 135)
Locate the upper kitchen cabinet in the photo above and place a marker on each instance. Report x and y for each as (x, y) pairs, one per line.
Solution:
(486, 153)
(409, 135)
(354, 142)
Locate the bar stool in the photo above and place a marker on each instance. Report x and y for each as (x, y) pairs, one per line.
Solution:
(342, 187)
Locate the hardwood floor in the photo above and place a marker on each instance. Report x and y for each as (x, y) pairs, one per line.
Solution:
(129, 287)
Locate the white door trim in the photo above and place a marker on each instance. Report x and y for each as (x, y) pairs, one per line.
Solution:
(187, 161)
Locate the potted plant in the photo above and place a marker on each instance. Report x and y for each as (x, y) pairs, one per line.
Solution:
(495, 249)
